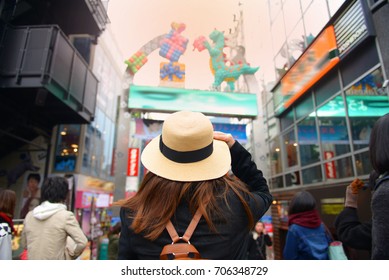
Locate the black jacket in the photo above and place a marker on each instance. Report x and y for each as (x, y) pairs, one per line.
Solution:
(351, 231)
(230, 241)
(380, 220)
(257, 247)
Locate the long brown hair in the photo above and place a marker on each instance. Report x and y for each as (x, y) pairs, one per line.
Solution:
(7, 202)
(158, 198)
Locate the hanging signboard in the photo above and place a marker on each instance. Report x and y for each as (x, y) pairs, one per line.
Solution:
(317, 60)
(163, 99)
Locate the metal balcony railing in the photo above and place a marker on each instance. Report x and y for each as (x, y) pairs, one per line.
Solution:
(43, 57)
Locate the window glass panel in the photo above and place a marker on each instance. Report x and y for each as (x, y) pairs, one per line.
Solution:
(366, 102)
(93, 153)
(278, 32)
(296, 42)
(305, 107)
(292, 14)
(275, 8)
(287, 120)
(333, 128)
(66, 151)
(316, 17)
(305, 4)
(337, 169)
(363, 164)
(312, 175)
(277, 182)
(292, 179)
(281, 62)
(327, 88)
(334, 5)
(272, 128)
(308, 141)
(270, 107)
(359, 64)
(275, 156)
(290, 148)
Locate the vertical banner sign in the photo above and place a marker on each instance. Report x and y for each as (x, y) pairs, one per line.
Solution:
(133, 159)
(330, 166)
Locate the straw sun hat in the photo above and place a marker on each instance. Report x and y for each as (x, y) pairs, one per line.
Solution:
(186, 150)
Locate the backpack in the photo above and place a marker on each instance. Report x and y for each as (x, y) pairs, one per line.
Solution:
(181, 250)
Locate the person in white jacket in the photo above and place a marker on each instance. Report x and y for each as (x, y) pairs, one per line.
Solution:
(49, 225)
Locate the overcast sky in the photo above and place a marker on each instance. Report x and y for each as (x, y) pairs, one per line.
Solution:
(136, 22)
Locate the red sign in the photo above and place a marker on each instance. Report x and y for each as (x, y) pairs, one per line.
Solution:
(330, 166)
(133, 162)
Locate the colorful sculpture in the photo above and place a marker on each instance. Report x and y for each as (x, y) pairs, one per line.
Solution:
(221, 70)
(172, 46)
(136, 61)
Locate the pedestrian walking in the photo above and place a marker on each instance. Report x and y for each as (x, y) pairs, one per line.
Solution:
(48, 226)
(258, 241)
(306, 238)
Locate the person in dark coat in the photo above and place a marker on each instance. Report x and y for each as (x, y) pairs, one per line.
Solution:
(379, 158)
(350, 230)
(188, 166)
(372, 236)
(258, 241)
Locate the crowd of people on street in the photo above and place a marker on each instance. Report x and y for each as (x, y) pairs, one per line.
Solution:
(194, 171)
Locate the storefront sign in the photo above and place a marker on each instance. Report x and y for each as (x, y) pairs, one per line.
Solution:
(317, 60)
(133, 162)
(350, 28)
(163, 99)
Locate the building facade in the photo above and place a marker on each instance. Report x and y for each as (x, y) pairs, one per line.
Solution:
(331, 73)
(60, 75)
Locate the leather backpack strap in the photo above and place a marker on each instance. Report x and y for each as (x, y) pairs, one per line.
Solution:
(189, 231)
(192, 226)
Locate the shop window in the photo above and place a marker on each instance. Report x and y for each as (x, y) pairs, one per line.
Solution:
(292, 179)
(312, 175)
(308, 141)
(366, 102)
(334, 136)
(337, 169)
(287, 120)
(277, 182)
(362, 162)
(67, 148)
(275, 156)
(290, 148)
